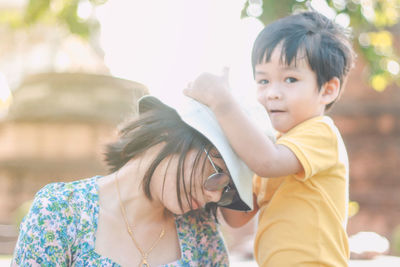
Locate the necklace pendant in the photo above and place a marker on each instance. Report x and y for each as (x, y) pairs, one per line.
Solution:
(144, 263)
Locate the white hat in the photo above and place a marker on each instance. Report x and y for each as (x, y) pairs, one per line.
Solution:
(201, 118)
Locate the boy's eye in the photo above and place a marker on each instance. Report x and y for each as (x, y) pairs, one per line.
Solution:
(263, 81)
(290, 80)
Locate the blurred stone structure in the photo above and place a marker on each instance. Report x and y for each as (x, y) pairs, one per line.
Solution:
(370, 125)
(55, 131)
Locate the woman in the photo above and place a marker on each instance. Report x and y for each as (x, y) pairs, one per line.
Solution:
(157, 207)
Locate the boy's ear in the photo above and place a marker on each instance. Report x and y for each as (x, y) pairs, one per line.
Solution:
(330, 91)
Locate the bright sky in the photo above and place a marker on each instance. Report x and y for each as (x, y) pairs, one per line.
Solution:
(165, 44)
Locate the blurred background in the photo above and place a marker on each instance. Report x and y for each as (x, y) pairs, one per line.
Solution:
(72, 70)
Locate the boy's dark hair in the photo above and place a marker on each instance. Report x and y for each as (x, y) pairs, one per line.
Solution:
(324, 43)
(159, 124)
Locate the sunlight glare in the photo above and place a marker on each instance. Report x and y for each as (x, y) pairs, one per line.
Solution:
(368, 242)
(343, 20)
(322, 7)
(84, 10)
(166, 44)
(393, 67)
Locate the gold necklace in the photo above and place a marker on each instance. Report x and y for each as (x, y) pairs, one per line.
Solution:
(145, 254)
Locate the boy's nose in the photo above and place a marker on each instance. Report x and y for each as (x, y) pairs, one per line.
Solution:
(273, 93)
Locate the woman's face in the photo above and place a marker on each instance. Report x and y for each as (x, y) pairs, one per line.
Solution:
(191, 188)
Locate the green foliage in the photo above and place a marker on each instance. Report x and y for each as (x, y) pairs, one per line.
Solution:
(354, 208)
(60, 12)
(372, 23)
(21, 212)
(11, 18)
(396, 241)
(36, 9)
(69, 15)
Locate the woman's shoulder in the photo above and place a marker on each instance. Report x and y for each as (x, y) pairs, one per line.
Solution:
(201, 240)
(54, 224)
(66, 200)
(76, 191)
(197, 220)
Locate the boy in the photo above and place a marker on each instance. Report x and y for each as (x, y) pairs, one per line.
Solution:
(300, 63)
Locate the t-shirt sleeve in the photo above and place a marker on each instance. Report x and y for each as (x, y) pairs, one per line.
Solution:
(315, 146)
(43, 239)
(256, 184)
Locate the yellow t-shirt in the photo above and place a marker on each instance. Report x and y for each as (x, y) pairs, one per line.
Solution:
(302, 219)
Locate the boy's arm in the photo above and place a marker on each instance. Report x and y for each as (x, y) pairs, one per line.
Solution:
(235, 218)
(262, 156)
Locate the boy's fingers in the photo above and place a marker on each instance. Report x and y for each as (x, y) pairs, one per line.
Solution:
(189, 92)
(186, 91)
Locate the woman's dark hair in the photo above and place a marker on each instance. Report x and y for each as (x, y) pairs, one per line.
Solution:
(156, 124)
(324, 43)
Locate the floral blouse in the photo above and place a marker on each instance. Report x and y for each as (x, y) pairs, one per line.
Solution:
(60, 228)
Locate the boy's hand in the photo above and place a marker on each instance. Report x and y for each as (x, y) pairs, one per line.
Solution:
(209, 89)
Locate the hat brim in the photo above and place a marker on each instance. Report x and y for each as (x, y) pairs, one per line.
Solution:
(202, 119)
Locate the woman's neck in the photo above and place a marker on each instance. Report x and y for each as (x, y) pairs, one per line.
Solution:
(126, 185)
(147, 219)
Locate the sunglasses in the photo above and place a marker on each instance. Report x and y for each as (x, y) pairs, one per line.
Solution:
(220, 180)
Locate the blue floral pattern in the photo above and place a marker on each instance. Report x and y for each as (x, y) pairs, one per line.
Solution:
(60, 228)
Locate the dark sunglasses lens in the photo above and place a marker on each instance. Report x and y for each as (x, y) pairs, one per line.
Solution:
(227, 198)
(216, 181)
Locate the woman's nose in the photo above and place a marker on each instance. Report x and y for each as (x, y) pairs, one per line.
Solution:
(213, 196)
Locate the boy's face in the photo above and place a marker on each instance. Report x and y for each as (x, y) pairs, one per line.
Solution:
(289, 93)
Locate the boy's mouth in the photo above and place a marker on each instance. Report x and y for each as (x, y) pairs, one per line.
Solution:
(275, 111)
